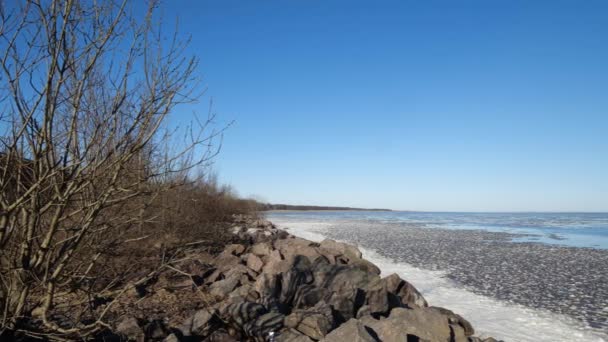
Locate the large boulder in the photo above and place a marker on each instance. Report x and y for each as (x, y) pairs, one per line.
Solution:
(339, 278)
(404, 324)
(351, 331)
(261, 249)
(254, 262)
(350, 251)
(202, 323)
(292, 335)
(456, 319)
(223, 287)
(296, 246)
(314, 323)
(299, 274)
(406, 292)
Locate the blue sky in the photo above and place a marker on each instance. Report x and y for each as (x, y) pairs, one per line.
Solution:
(412, 105)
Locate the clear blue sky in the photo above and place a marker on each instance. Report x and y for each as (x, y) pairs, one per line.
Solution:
(413, 105)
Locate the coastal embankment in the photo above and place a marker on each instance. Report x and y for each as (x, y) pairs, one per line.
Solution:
(273, 286)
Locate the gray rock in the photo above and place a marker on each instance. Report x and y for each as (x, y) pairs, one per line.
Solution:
(171, 338)
(204, 322)
(408, 294)
(223, 287)
(254, 262)
(351, 331)
(315, 322)
(235, 249)
(261, 249)
(339, 278)
(350, 251)
(456, 319)
(423, 323)
(129, 327)
(377, 298)
(292, 335)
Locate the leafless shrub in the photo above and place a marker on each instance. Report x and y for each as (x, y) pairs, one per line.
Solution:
(86, 163)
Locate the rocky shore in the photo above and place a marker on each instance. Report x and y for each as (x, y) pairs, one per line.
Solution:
(272, 286)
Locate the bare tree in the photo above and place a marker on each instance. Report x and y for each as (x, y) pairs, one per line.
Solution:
(85, 91)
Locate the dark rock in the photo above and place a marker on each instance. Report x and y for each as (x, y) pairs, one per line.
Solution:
(220, 336)
(299, 274)
(240, 313)
(264, 325)
(408, 294)
(339, 278)
(156, 330)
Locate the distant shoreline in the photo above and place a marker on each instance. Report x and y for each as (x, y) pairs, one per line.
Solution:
(288, 207)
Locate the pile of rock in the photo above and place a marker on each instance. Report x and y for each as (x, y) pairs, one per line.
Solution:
(276, 287)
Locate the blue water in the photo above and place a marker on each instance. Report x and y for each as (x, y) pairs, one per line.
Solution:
(568, 229)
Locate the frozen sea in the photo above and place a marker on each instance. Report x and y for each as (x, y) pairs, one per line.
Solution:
(515, 276)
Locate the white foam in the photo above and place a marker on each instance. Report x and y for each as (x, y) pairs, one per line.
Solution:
(489, 317)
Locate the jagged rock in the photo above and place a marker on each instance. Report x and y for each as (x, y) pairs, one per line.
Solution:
(408, 294)
(351, 331)
(129, 327)
(268, 285)
(240, 313)
(214, 276)
(296, 246)
(308, 295)
(261, 249)
(235, 249)
(265, 324)
(240, 269)
(423, 323)
(377, 298)
(299, 274)
(276, 264)
(363, 311)
(315, 322)
(225, 261)
(346, 303)
(456, 319)
(246, 291)
(171, 338)
(156, 330)
(338, 278)
(202, 323)
(350, 251)
(365, 265)
(223, 287)
(254, 262)
(292, 335)
(220, 336)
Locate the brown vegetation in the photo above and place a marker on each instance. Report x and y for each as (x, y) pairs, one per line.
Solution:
(95, 199)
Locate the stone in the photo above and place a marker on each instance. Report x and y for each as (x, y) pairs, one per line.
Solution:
(338, 278)
(268, 285)
(407, 293)
(308, 295)
(275, 264)
(351, 331)
(346, 303)
(262, 249)
(246, 291)
(223, 287)
(204, 322)
(254, 262)
(377, 298)
(264, 325)
(365, 265)
(171, 338)
(350, 251)
(298, 274)
(225, 260)
(235, 249)
(456, 319)
(240, 313)
(423, 323)
(296, 246)
(129, 327)
(156, 330)
(314, 322)
(292, 335)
